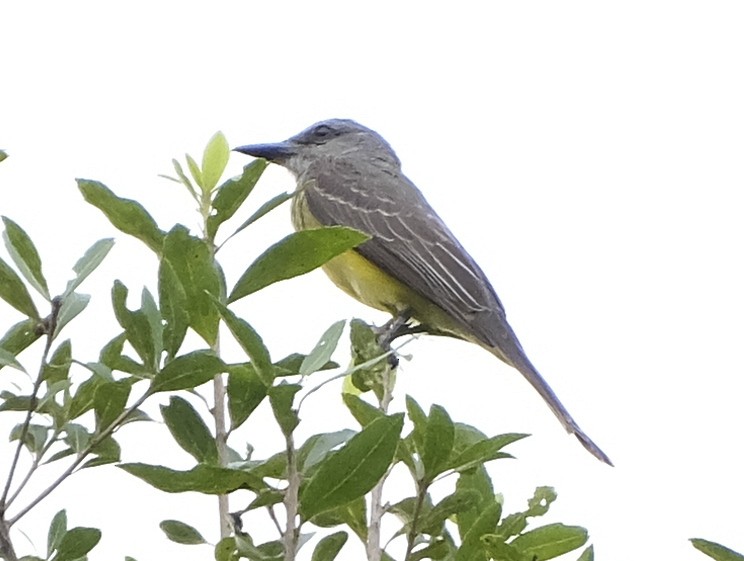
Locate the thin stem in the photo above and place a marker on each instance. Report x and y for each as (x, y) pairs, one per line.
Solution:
(220, 423)
(34, 466)
(94, 441)
(291, 501)
(423, 487)
(376, 508)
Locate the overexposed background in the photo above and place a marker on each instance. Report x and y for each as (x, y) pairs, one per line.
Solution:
(589, 156)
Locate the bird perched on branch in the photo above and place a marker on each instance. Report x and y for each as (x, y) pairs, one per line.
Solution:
(412, 266)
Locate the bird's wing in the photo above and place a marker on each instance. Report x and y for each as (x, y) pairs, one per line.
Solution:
(409, 242)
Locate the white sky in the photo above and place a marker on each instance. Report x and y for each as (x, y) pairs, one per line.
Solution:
(588, 154)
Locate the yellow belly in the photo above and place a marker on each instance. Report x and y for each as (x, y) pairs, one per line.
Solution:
(365, 281)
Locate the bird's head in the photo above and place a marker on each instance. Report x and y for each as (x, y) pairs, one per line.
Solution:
(330, 139)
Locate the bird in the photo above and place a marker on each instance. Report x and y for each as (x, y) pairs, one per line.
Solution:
(412, 265)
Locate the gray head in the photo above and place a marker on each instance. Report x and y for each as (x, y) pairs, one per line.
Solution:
(331, 139)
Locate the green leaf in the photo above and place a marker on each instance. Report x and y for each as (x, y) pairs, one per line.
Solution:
(245, 391)
(189, 430)
(290, 365)
(318, 446)
(173, 307)
(183, 178)
(250, 342)
(23, 252)
(353, 514)
(89, 262)
(3, 155)
(180, 532)
(188, 371)
(363, 412)
(321, 353)
(329, 547)
(107, 451)
(497, 548)
(8, 359)
(282, 400)
(472, 549)
(137, 326)
(484, 451)
(77, 436)
(214, 160)
(438, 441)
(226, 550)
(419, 420)
(588, 554)
(459, 501)
(76, 543)
(72, 305)
(58, 367)
(213, 480)
(475, 480)
(14, 292)
(57, 530)
(195, 172)
(550, 541)
(296, 254)
(353, 470)
(109, 402)
(124, 214)
(193, 264)
(232, 193)
(83, 400)
(716, 551)
(20, 336)
(263, 210)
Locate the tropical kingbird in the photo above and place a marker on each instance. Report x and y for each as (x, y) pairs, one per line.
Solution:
(412, 265)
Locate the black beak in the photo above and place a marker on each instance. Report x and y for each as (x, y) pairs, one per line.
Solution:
(278, 152)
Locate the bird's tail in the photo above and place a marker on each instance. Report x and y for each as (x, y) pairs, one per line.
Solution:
(519, 360)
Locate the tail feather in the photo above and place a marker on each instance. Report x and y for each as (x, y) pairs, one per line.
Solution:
(519, 360)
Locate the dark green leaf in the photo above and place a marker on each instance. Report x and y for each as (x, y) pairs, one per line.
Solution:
(58, 367)
(329, 547)
(354, 469)
(363, 412)
(290, 365)
(189, 430)
(173, 307)
(20, 336)
(550, 541)
(497, 548)
(77, 436)
(250, 342)
(245, 391)
(419, 420)
(214, 160)
(57, 530)
(89, 262)
(137, 326)
(107, 451)
(109, 402)
(484, 451)
(193, 264)
(82, 401)
(226, 550)
(353, 514)
(8, 359)
(295, 255)
(476, 480)
(34, 438)
(14, 292)
(459, 501)
(282, 400)
(76, 543)
(23, 252)
(321, 353)
(232, 193)
(208, 479)
(125, 214)
(472, 549)
(438, 441)
(263, 210)
(716, 551)
(188, 371)
(181, 532)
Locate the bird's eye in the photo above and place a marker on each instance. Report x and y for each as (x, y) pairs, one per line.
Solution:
(322, 131)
